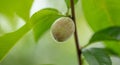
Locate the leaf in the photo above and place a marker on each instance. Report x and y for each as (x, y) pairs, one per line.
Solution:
(111, 52)
(7, 41)
(96, 56)
(101, 14)
(110, 34)
(19, 7)
(45, 19)
(68, 2)
(10, 8)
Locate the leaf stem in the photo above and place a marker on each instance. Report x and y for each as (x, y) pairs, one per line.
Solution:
(67, 13)
(79, 51)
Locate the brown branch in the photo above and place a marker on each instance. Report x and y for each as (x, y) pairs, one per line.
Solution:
(76, 34)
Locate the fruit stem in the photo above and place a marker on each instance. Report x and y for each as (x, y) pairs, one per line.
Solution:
(78, 49)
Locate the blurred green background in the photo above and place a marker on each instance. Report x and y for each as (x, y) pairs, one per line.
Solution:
(47, 51)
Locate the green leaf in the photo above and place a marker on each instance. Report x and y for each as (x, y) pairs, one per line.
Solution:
(45, 19)
(110, 34)
(68, 2)
(7, 41)
(111, 52)
(96, 56)
(101, 14)
(19, 7)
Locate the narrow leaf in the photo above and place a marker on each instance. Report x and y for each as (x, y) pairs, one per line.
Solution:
(111, 34)
(45, 19)
(96, 56)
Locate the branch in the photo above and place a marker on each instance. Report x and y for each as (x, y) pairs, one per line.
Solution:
(79, 52)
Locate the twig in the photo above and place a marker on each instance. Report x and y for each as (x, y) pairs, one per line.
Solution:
(79, 52)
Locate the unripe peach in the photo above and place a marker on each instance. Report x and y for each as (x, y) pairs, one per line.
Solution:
(62, 29)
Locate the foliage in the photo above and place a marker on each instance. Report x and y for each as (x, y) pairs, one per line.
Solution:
(8, 40)
(19, 7)
(99, 56)
(111, 34)
(102, 16)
